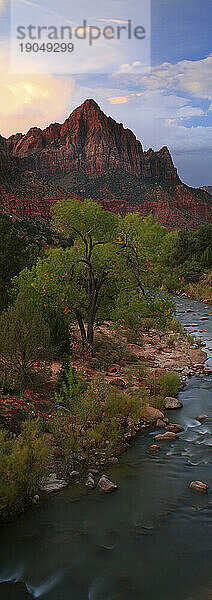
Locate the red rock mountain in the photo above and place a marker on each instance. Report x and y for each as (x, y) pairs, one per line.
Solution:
(89, 141)
(91, 155)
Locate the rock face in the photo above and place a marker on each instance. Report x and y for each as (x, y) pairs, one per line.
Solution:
(89, 141)
(172, 403)
(207, 188)
(91, 155)
(199, 486)
(4, 157)
(106, 485)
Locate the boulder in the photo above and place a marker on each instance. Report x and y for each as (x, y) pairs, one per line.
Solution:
(175, 428)
(199, 486)
(154, 448)
(90, 483)
(151, 414)
(35, 499)
(160, 423)
(53, 484)
(106, 485)
(172, 403)
(166, 436)
(201, 418)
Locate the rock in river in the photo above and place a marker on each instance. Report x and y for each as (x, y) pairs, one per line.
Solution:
(106, 485)
(160, 423)
(154, 448)
(166, 436)
(90, 483)
(151, 414)
(199, 486)
(53, 484)
(171, 403)
(175, 428)
(201, 418)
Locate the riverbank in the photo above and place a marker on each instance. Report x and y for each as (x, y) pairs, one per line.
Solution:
(200, 291)
(134, 369)
(124, 390)
(127, 545)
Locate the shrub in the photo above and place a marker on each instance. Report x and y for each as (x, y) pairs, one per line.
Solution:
(22, 466)
(122, 406)
(24, 340)
(157, 401)
(90, 420)
(175, 325)
(171, 341)
(169, 383)
(9, 382)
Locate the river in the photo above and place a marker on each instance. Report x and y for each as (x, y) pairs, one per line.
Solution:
(150, 540)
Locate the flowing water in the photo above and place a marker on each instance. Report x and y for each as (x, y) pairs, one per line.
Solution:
(150, 540)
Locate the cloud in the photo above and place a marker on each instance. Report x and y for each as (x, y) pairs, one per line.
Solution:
(2, 6)
(32, 100)
(118, 100)
(170, 121)
(191, 77)
(130, 68)
(112, 21)
(186, 112)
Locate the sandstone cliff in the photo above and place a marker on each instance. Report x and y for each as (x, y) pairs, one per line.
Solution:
(91, 155)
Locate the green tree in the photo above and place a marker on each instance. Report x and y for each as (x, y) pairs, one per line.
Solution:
(103, 274)
(92, 260)
(17, 251)
(24, 339)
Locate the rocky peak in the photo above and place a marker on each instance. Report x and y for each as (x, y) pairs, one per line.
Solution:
(89, 141)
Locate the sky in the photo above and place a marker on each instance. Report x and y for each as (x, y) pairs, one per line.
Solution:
(160, 86)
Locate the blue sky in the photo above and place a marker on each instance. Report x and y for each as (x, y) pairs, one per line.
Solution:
(170, 104)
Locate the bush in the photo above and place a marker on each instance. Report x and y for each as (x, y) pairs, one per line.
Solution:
(171, 341)
(122, 406)
(22, 466)
(90, 420)
(175, 325)
(169, 384)
(24, 341)
(157, 401)
(9, 382)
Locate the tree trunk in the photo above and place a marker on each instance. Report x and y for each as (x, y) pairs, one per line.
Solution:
(82, 327)
(90, 331)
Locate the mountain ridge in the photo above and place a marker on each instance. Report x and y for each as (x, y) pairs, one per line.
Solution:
(90, 154)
